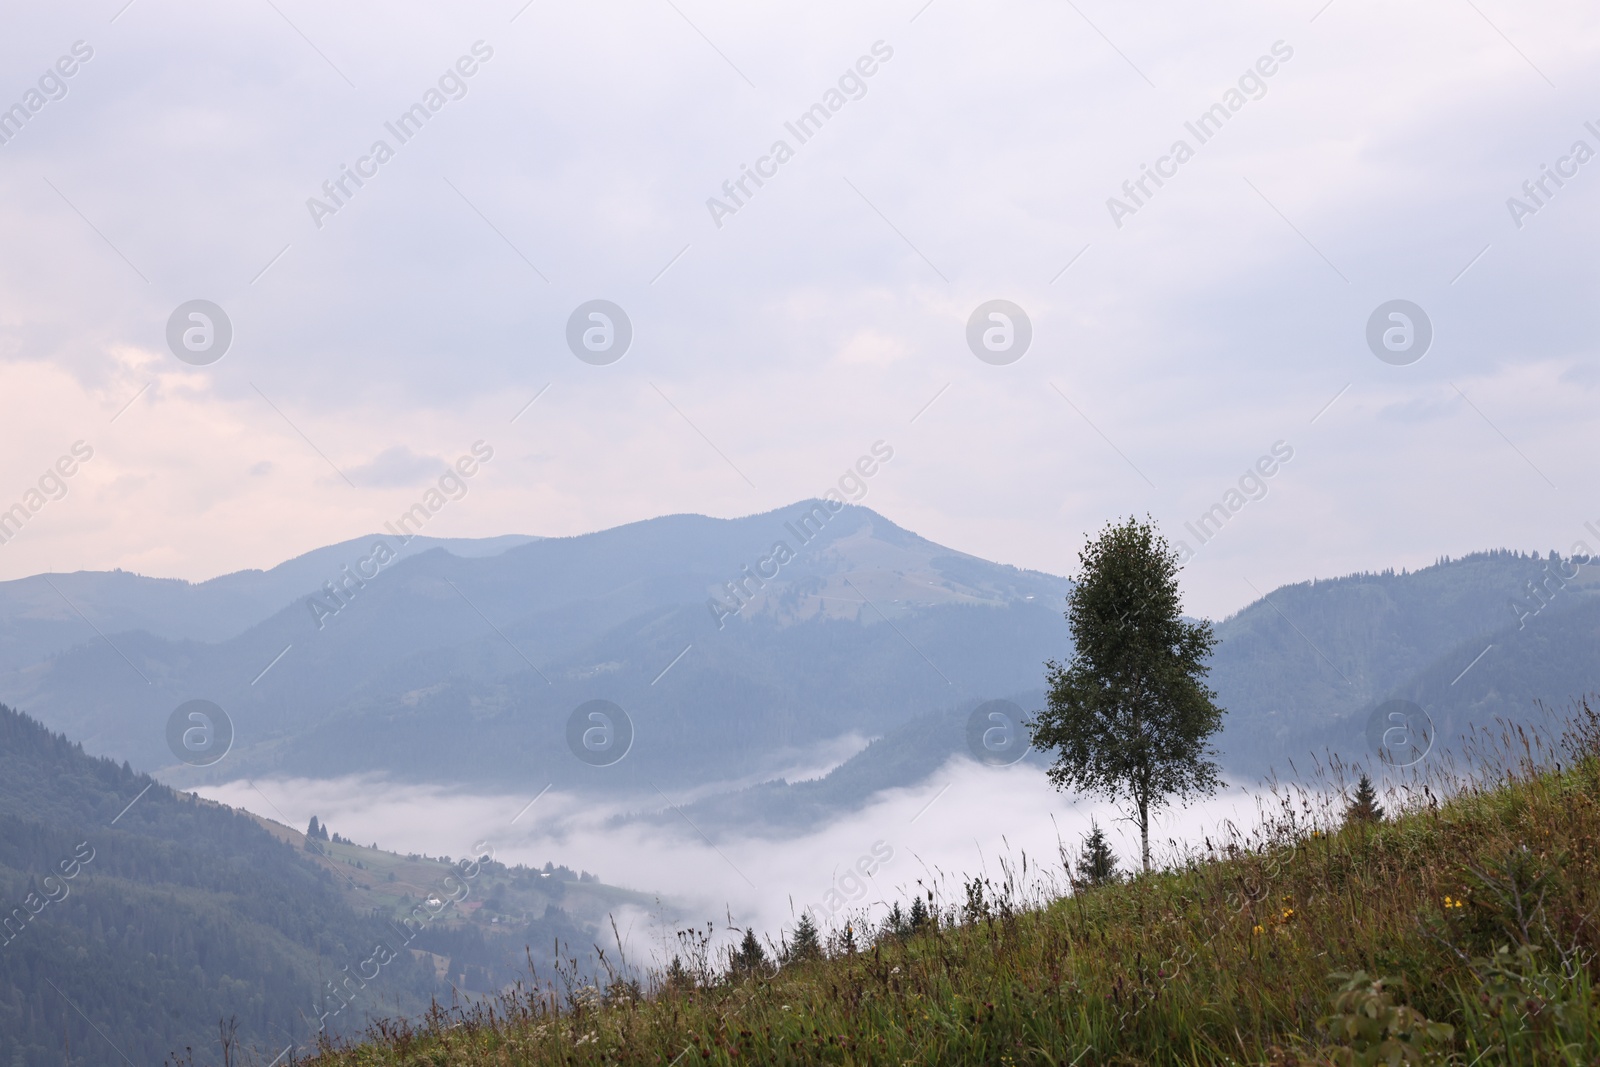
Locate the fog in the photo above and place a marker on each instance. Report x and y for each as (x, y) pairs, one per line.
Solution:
(965, 820)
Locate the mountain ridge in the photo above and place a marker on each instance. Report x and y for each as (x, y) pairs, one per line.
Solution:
(458, 668)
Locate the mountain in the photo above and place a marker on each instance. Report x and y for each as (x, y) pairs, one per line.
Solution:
(1303, 669)
(730, 651)
(136, 917)
(1301, 673)
(449, 669)
(133, 918)
(43, 615)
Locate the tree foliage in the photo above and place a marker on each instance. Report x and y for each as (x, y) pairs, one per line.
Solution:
(1364, 805)
(807, 943)
(1129, 715)
(749, 957)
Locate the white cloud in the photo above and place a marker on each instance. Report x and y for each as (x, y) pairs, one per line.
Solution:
(966, 820)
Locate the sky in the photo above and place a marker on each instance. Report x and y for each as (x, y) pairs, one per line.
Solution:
(1176, 334)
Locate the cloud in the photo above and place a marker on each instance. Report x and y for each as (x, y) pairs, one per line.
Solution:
(965, 820)
(830, 310)
(397, 466)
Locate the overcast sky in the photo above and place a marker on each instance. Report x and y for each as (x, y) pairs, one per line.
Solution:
(1173, 344)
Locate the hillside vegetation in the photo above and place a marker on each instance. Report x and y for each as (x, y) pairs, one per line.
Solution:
(134, 918)
(1461, 930)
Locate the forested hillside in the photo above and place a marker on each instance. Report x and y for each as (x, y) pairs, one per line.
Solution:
(136, 918)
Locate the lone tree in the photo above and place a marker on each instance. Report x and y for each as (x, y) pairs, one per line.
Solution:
(1364, 805)
(1129, 715)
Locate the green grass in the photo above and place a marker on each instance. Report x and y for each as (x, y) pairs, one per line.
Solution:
(1478, 912)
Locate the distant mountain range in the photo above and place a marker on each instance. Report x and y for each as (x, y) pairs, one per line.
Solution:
(1301, 673)
(457, 667)
(735, 649)
(1467, 640)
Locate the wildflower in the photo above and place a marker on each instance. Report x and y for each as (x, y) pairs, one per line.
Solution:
(1257, 929)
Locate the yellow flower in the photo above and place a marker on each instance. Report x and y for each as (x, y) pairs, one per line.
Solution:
(1257, 930)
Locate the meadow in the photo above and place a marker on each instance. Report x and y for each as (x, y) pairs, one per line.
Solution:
(1459, 928)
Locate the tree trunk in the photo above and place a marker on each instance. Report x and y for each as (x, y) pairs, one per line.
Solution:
(1144, 832)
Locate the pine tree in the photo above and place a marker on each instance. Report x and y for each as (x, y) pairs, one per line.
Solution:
(1097, 864)
(1364, 807)
(807, 945)
(919, 915)
(678, 976)
(749, 956)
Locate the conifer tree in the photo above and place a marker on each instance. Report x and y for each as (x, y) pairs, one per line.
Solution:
(807, 944)
(678, 976)
(1364, 806)
(1097, 864)
(749, 956)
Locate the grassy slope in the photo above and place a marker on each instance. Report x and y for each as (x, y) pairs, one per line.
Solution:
(1226, 959)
